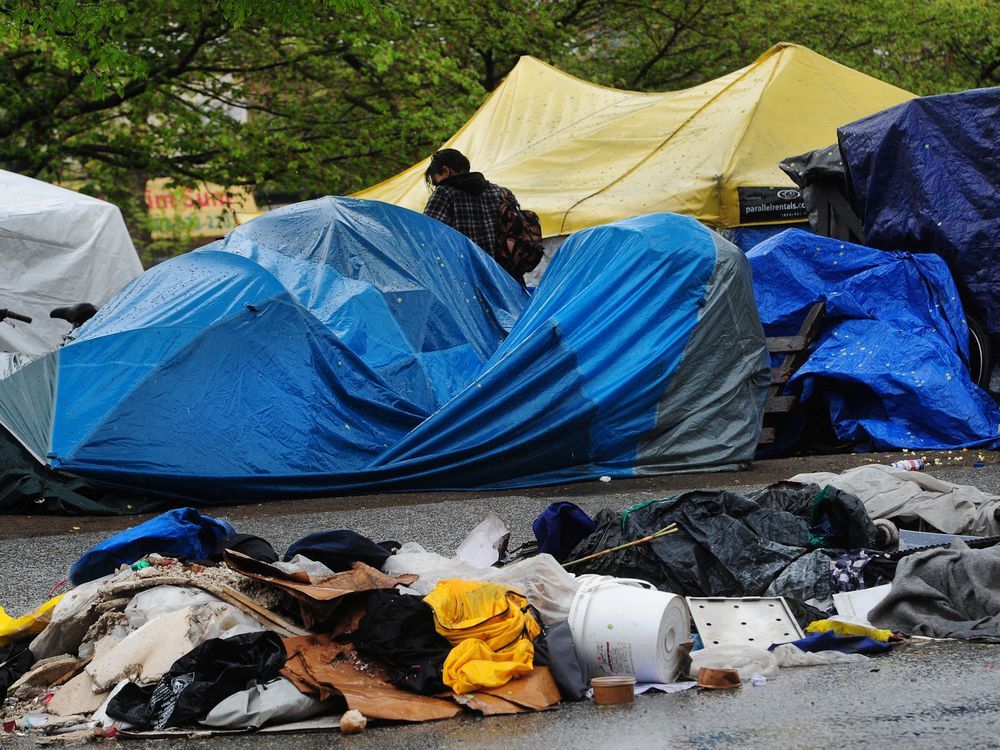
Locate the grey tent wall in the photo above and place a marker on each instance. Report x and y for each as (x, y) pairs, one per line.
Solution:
(27, 403)
(711, 413)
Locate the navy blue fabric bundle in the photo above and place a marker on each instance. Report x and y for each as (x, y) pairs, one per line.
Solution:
(924, 178)
(845, 644)
(338, 550)
(560, 527)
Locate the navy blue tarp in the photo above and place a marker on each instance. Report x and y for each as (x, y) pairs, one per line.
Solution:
(343, 345)
(746, 238)
(181, 532)
(925, 177)
(892, 360)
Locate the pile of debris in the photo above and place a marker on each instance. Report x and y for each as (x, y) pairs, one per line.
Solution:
(181, 625)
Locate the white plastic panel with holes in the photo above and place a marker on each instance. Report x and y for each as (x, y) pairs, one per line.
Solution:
(743, 621)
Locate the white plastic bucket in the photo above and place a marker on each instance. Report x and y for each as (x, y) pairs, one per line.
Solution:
(626, 626)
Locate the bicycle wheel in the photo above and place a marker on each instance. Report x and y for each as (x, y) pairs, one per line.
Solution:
(980, 355)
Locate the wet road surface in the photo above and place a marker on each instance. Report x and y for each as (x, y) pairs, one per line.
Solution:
(935, 695)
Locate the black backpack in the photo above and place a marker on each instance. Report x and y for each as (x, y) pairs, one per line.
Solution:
(519, 237)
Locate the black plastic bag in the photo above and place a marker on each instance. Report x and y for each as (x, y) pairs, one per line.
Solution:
(718, 550)
(727, 544)
(631, 562)
(15, 661)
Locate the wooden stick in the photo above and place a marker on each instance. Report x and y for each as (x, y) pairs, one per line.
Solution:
(671, 529)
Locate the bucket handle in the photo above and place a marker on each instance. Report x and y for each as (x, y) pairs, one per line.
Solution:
(635, 582)
(598, 582)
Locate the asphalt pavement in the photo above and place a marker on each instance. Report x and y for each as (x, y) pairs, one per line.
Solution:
(937, 695)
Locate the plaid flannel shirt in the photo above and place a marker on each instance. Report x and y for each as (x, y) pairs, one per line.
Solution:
(475, 216)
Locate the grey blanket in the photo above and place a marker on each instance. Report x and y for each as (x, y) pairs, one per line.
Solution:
(953, 592)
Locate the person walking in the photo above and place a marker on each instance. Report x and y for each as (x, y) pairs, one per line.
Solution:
(463, 200)
(487, 214)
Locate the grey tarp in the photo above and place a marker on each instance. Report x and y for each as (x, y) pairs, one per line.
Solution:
(29, 403)
(258, 705)
(723, 379)
(944, 593)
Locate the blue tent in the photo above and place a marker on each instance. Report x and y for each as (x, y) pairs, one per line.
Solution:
(346, 345)
(925, 177)
(748, 237)
(892, 361)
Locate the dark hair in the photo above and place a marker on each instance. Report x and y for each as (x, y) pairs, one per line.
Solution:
(446, 157)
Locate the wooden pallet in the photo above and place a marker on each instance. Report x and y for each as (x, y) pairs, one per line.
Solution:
(796, 351)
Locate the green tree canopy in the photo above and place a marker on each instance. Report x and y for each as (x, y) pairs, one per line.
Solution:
(307, 97)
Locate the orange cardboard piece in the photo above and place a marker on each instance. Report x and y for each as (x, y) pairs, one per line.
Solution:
(359, 578)
(318, 665)
(488, 705)
(319, 599)
(306, 656)
(537, 690)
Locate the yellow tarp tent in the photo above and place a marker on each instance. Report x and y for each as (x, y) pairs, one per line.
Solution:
(580, 154)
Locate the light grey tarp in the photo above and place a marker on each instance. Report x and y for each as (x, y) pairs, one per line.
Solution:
(915, 496)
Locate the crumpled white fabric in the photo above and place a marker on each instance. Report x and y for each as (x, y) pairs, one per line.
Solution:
(300, 564)
(547, 585)
(149, 604)
(914, 495)
(790, 655)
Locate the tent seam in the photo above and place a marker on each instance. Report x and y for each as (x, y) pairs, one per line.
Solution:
(750, 68)
(746, 129)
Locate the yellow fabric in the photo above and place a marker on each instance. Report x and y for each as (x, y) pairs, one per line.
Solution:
(846, 628)
(579, 154)
(493, 613)
(491, 627)
(15, 628)
(473, 665)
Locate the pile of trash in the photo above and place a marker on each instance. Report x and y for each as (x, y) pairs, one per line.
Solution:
(183, 626)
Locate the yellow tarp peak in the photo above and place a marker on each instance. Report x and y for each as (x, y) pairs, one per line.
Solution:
(580, 154)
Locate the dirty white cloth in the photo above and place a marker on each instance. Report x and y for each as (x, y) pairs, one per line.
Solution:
(160, 600)
(790, 655)
(314, 569)
(146, 654)
(547, 585)
(914, 495)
